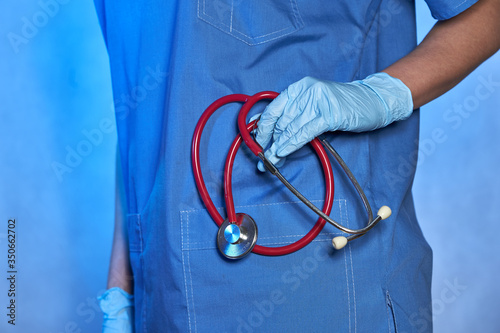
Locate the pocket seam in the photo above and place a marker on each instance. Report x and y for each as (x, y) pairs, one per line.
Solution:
(189, 271)
(391, 314)
(217, 24)
(352, 272)
(186, 245)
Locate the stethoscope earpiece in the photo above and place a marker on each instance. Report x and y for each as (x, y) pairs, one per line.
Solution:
(384, 212)
(339, 242)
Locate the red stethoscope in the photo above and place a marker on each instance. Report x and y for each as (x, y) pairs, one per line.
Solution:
(238, 233)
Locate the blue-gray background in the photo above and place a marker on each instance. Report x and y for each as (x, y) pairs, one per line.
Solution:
(55, 89)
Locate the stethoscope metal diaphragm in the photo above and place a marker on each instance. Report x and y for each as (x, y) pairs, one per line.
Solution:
(235, 240)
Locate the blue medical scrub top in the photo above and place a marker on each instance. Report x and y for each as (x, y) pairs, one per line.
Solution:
(169, 61)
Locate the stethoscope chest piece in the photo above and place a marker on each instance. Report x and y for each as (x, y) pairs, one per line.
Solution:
(237, 239)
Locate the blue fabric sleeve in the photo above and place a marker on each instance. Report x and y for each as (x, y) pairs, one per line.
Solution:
(445, 9)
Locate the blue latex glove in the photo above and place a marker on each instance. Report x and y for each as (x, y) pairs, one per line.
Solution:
(118, 308)
(311, 107)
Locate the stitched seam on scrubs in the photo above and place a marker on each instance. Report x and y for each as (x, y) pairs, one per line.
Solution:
(264, 244)
(251, 38)
(258, 205)
(296, 13)
(231, 29)
(281, 203)
(252, 41)
(388, 315)
(271, 237)
(460, 4)
(392, 314)
(301, 235)
(451, 12)
(184, 270)
(352, 273)
(190, 276)
(315, 240)
(208, 245)
(276, 243)
(346, 276)
(231, 19)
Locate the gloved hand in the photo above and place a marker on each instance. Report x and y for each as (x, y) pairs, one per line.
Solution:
(118, 308)
(311, 107)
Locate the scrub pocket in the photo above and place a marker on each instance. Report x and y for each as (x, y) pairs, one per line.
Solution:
(268, 294)
(252, 21)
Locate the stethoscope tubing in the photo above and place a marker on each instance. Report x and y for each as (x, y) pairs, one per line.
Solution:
(245, 135)
(195, 152)
(325, 162)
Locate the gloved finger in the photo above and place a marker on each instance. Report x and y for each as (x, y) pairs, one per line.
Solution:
(301, 131)
(277, 162)
(271, 156)
(260, 164)
(290, 113)
(268, 119)
(294, 117)
(303, 101)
